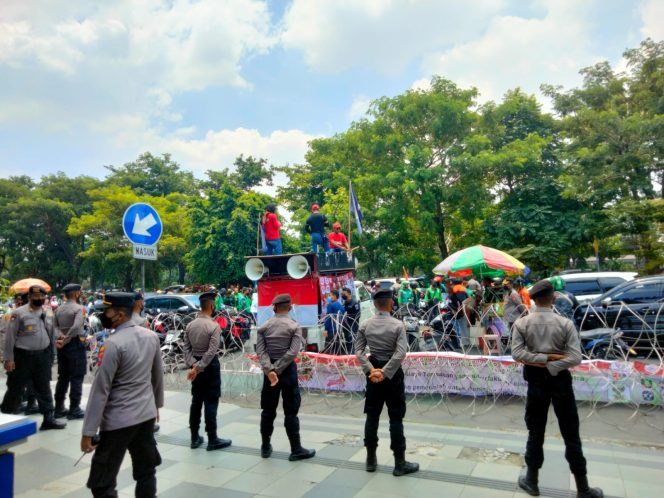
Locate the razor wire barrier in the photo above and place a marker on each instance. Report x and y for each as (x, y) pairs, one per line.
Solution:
(441, 377)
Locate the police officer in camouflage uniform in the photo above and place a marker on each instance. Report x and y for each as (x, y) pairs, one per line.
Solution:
(548, 345)
(386, 338)
(72, 356)
(29, 351)
(278, 342)
(201, 343)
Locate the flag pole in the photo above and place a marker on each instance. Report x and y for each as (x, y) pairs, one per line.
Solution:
(258, 235)
(349, 212)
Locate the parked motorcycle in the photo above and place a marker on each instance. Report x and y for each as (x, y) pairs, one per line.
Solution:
(439, 333)
(604, 344)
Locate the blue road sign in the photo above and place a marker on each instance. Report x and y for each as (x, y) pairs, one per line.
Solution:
(141, 224)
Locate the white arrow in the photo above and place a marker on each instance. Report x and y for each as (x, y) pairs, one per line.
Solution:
(141, 226)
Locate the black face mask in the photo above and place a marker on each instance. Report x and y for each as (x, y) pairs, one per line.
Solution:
(106, 322)
(37, 303)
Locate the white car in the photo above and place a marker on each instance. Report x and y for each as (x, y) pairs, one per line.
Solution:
(588, 286)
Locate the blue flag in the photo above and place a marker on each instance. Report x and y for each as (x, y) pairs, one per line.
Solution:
(356, 210)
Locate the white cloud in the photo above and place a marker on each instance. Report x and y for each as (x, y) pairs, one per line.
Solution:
(359, 107)
(516, 51)
(385, 35)
(652, 14)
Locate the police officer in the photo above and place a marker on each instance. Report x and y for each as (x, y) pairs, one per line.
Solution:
(351, 320)
(70, 344)
(124, 400)
(386, 338)
(29, 350)
(278, 342)
(201, 342)
(548, 346)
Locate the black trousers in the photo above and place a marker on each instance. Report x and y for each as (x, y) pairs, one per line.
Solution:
(32, 366)
(107, 458)
(205, 393)
(289, 390)
(390, 392)
(72, 361)
(543, 390)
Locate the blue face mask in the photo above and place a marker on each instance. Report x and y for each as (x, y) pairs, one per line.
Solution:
(329, 299)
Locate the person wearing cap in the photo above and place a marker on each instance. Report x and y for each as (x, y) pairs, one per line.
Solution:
(201, 342)
(72, 356)
(315, 225)
(278, 342)
(29, 351)
(124, 401)
(338, 240)
(548, 345)
(271, 226)
(137, 316)
(386, 338)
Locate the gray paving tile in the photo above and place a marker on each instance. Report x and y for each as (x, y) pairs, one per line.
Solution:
(336, 451)
(50, 465)
(190, 490)
(331, 491)
(349, 478)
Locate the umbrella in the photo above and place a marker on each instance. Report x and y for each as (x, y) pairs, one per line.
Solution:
(480, 260)
(22, 286)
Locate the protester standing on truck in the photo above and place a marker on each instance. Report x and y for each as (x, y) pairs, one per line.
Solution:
(315, 225)
(271, 226)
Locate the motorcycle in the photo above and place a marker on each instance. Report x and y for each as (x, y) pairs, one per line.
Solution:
(440, 330)
(604, 344)
(235, 329)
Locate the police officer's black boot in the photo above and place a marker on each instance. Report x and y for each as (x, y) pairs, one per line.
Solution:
(528, 482)
(75, 413)
(401, 466)
(372, 461)
(60, 410)
(583, 490)
(51, 423)
(266, 447)
(196, 439)
(215, 443)
(297, 451)
(33, 407)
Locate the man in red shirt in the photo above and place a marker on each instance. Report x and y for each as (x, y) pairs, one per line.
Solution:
(271, 226)
(338, 240)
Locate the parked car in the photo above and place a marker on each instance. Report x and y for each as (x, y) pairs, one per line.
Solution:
(636, 308)
(589, 286)
(182, 303)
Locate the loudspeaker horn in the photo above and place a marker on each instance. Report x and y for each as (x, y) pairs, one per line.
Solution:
(297, 267)
(254, 269)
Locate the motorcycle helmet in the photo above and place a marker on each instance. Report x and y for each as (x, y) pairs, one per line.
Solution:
(558, 283)
(438, 279)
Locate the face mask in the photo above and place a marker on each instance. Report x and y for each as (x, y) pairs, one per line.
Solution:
(37, 303)
(106, 322)
(329, 299)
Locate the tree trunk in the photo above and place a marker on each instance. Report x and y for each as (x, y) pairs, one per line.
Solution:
(182, 272)
(440, 231)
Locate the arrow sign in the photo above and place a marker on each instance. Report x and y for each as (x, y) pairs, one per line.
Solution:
(142, 225)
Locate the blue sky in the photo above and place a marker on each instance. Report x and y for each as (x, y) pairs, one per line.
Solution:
(85, 84)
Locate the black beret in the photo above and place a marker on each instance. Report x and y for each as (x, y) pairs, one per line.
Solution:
(36, 288)
(541, 288)
(71, 288)
(119, 299)
(281, 299)
(382, 294)
(207, 296)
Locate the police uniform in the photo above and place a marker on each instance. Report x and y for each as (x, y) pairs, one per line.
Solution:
(201, 343)
(386, 338)
(279, 340)
(535, 336)
(350, 323)
(72, 356)
(124, 400)
(29, 343)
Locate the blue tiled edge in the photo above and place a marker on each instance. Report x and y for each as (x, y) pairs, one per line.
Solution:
(16, 432)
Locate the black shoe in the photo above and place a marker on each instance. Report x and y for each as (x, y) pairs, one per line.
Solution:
(51, 423)
(266, 450)
(60, 412)
(590, 493)
(21, 409)
(372, 461)
(156, 428)
(218, 444)
(32, 409)
(75, 414)
(196, 442)
(301, 454)
(402, 468)
(529, 486)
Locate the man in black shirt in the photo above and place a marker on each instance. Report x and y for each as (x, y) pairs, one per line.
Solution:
(351, 320)
(315, 225)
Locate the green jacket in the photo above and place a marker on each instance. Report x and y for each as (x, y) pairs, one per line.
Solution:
(405, 296)
(433, 293)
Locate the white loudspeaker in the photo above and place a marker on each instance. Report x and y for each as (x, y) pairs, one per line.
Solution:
(297, 267)
(254, 269)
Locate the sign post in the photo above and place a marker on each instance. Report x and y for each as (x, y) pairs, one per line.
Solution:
(143, 227)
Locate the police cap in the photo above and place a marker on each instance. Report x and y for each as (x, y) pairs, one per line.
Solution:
(541, 288)
(71, 288)
(35, 289)
(119, 300)
(382, 294)
(281, 299)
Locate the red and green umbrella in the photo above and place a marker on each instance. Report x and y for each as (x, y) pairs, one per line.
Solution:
(479, 260)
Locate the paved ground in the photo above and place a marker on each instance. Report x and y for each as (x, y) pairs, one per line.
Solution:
(456, 461)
